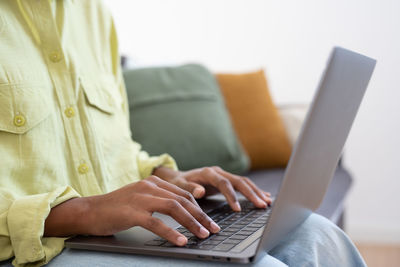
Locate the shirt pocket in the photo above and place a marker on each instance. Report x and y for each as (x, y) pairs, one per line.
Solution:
(28, 149)
(99, 95)
(22, 107)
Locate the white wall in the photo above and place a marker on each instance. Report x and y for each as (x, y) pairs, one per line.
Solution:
(291, 40)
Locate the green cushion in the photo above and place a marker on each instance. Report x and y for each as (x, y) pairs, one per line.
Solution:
(180, 111)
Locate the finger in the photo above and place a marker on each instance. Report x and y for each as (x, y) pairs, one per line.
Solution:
(267, 193)
(197, 190)
(194, 210)
(260, 193)
(174, 209)
(253, 188)
(173, 188)
(249, 193)
(266, 196)
(269, 198)
(159, 228)
(223, 185)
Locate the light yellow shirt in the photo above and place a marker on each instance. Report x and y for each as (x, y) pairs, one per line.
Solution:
(64, 126)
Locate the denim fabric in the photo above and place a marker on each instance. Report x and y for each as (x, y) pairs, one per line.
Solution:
(316, 242)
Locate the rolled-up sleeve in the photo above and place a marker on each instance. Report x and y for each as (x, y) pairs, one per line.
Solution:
(22, 226)
(147, 163)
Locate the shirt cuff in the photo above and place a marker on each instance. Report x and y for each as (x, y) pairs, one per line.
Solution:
(147, 164)
(25, 220)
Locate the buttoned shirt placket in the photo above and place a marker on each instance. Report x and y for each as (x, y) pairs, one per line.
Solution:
(50, 44)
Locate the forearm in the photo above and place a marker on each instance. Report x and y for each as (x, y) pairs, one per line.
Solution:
(69, 218)
(129, 206)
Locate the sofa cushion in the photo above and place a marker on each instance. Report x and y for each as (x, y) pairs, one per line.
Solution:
(256, 119)
(180, 111)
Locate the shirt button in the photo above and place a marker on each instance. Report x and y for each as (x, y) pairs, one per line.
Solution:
(55, 56)
(83, 168)
(19, 120)
(69, 112)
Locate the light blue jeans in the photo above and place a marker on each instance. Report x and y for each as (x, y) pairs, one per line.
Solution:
(316, 242)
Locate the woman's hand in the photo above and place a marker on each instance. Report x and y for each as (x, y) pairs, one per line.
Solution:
(198, 182)
(131, 205)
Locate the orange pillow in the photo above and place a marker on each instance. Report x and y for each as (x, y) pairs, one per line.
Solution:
(255, 119)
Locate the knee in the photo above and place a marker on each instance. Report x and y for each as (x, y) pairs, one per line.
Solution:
(318, 226)
(317, 231)
(318, 242)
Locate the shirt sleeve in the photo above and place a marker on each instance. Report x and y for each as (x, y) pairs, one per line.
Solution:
(22, 226)
(147, 164)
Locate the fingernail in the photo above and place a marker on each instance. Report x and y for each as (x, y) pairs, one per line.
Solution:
(262, 203)
(204, 232)
(214, 227)
(197, 192)
(236, 206)
(181, 240)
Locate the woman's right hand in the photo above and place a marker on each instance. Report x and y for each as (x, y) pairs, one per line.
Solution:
(132, 205)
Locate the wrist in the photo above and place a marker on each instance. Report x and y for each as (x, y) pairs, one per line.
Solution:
(165, 173)
(83, 221)
(68, 218)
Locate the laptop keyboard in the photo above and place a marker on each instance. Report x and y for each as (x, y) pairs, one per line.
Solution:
(236, 228)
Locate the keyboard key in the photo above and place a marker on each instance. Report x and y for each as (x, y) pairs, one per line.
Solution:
(188, 234)
(235, 227)
(181, 229)
(245, 232)
(219, 218)
(256, 225)
(232, 241)
(239, 237)
(260, 212)
(218, 238)
(224, 247)
(206, 247)
(231, 230)
(191, 242)
(223, 233)
(211, 242)
(195, 239)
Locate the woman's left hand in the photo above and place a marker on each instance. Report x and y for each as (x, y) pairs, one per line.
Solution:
(200, 181)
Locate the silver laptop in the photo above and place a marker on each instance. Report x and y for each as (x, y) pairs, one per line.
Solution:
(247, 235)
